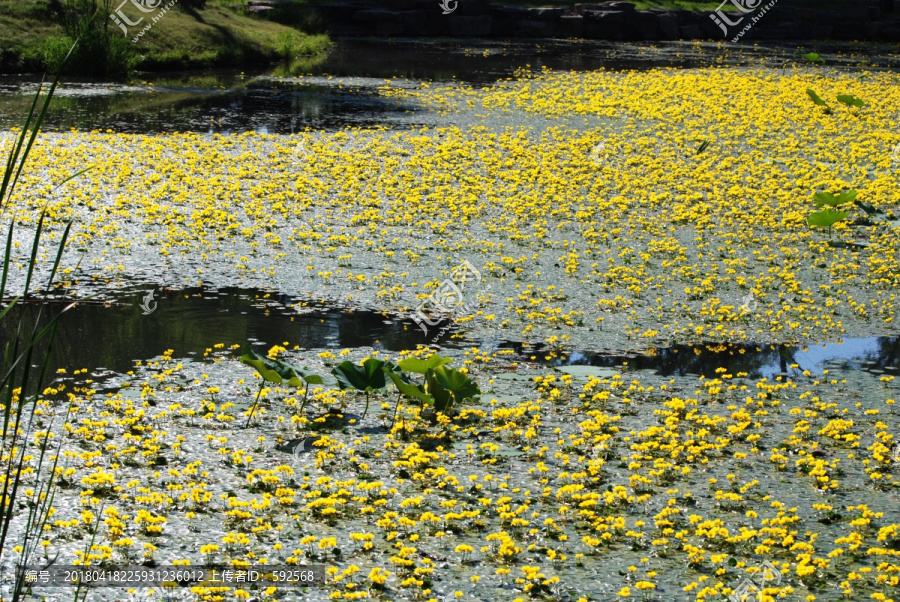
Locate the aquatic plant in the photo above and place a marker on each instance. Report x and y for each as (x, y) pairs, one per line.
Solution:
(850, 100)
(830, 216)
(818, 100)
(443, 385)
(407, 388)
(278, 372)
(813, 57)
(368, 377)
(17, 376)
(832, 200)
(847, 99)
(449, 385)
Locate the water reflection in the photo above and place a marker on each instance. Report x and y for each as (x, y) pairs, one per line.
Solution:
(877, 354)
(226, 101)
(264, 106)
(112, 336)
(97, 335)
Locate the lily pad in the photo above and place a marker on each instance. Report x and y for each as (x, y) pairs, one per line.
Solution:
(504, 399)
(588, 371)
(506, 451)
(840, 244)
(513, 376)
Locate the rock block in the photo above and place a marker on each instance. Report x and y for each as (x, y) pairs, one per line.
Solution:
(690, 32)
(534, 29)
(645, 25)
(469, 27)
(571, 26)
(668, 26)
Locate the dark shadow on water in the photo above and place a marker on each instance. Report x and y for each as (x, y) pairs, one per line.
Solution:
(189, 321)
(228, 101)
(110, 337)
(873, 354)
(262, 106)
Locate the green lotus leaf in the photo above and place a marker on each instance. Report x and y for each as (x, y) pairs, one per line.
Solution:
(408, 388)
(419, 366)
(826, 218)
(816, 99)
(827, 198)
(850, 100)
(368, 377)
(273, 371)
(449, 385)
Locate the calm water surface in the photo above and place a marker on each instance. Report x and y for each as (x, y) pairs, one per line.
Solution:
(342, 90)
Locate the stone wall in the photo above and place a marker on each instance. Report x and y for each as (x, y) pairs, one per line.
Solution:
(786, 19)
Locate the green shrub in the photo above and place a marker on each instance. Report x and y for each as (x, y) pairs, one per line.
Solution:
(98, 53)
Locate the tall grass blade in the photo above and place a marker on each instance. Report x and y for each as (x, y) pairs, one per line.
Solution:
(19, 387)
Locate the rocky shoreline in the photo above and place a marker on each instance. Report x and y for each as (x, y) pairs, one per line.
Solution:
(772, 20)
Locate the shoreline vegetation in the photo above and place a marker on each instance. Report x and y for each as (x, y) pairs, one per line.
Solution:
(35, 35)
(203, 34)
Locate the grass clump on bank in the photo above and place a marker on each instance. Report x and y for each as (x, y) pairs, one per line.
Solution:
(35, 36)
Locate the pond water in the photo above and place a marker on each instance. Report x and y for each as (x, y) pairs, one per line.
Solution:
(342, 90)
(108, 336)
(192, 406)
(877, 355)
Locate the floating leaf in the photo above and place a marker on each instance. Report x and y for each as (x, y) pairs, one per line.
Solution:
(826, 218)
(273, 371)
(588, 371)
(501, 450)
(813, 57)
(849, 99)
(816, 99)
(827, 198)
(703, 146)
(368, 377)
(419, 366)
